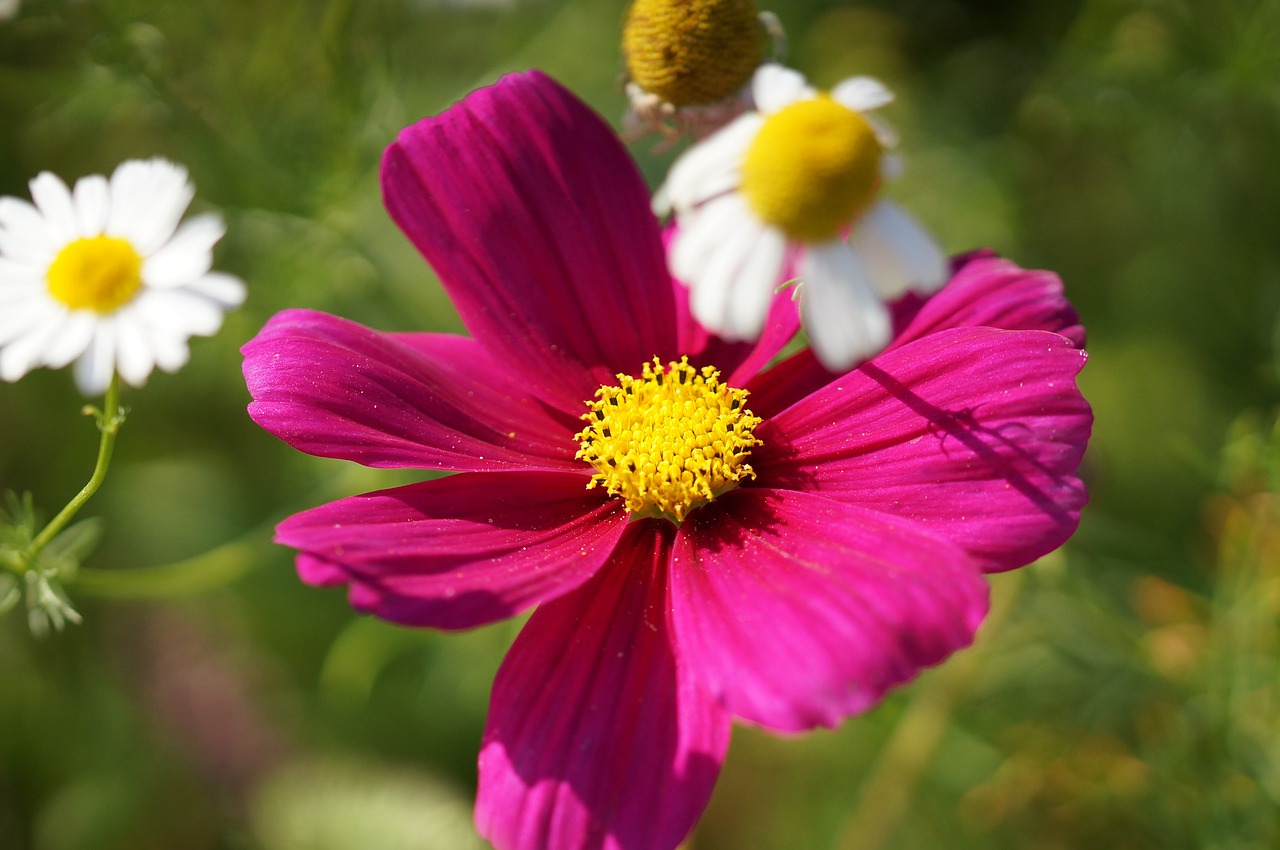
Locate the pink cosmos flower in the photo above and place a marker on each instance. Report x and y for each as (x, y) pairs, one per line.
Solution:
(833, 540)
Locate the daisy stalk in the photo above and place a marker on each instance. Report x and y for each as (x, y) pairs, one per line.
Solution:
(109, 420)
(705, 538)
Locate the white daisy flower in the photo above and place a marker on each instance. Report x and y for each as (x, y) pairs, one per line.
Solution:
(105, 276)
(796, 184)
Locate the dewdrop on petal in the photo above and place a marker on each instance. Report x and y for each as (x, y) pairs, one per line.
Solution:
(689, 63)
(104, 275)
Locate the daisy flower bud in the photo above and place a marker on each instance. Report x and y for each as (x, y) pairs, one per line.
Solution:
(689, 62)
(105, 276)
(795, 184)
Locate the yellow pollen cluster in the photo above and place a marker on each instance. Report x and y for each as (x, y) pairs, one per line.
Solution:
(99, 273)
(812, 168)
(693, 52)
(670, 440)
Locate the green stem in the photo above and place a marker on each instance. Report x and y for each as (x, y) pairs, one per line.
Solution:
(109, 419)
(217, 567)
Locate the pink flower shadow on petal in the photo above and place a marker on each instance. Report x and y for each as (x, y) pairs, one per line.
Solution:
(598, 739)
(333, 388)
(799, 611)
(977, 433)
(459, 551)
(538, 225)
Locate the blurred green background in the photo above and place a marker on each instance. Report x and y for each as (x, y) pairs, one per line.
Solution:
(1125, 693)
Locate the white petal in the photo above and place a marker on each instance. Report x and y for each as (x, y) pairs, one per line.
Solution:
(897, 252)
(710, 294)
(756, 285)
(703, 232)
(95, 367)
(185, 257)
(92, 199)
(774, 87)
(709, 167)
(148, 199)
(179, 312)
(26, 351)
(53, 199)
(885, 134)
(26, 316)
(18, 277)
(845, 320)
(72, 339)
(171, 350)
(735, 285)
(24, 236)
(18, 298)
(861, 94)
(891, 167)
(223, 289)
(133, 355)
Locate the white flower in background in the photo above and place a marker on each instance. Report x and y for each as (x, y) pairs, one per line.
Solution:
(9, 8)
(104, 275)
(795, 184)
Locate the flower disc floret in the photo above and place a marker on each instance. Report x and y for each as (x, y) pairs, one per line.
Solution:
(98, 273)
(812, 168)
(670, 440)
(692, 52)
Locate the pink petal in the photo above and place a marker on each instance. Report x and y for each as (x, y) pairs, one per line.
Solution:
(597, 737)
(987, 290)
(798, 611)
(458, 551)
(538, 225)
(333, 388)
(977, 433)
(984, 291)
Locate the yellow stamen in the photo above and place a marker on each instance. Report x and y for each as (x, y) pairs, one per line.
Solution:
(693, 52)
(813, 167)
(99, 273)
(670, 440)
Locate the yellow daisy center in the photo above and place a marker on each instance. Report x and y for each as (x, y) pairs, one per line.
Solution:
(692, 52)
(99, 273)
(670, 440)
(812, 168)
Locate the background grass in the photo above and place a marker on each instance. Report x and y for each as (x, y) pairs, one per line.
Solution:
(1125, 694)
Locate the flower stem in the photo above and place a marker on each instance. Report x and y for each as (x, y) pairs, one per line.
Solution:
(109, 420)
(215, 568)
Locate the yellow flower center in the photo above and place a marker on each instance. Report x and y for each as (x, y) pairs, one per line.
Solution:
(99, 273)
(670, 440)
(812, 168)
(692, 52)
